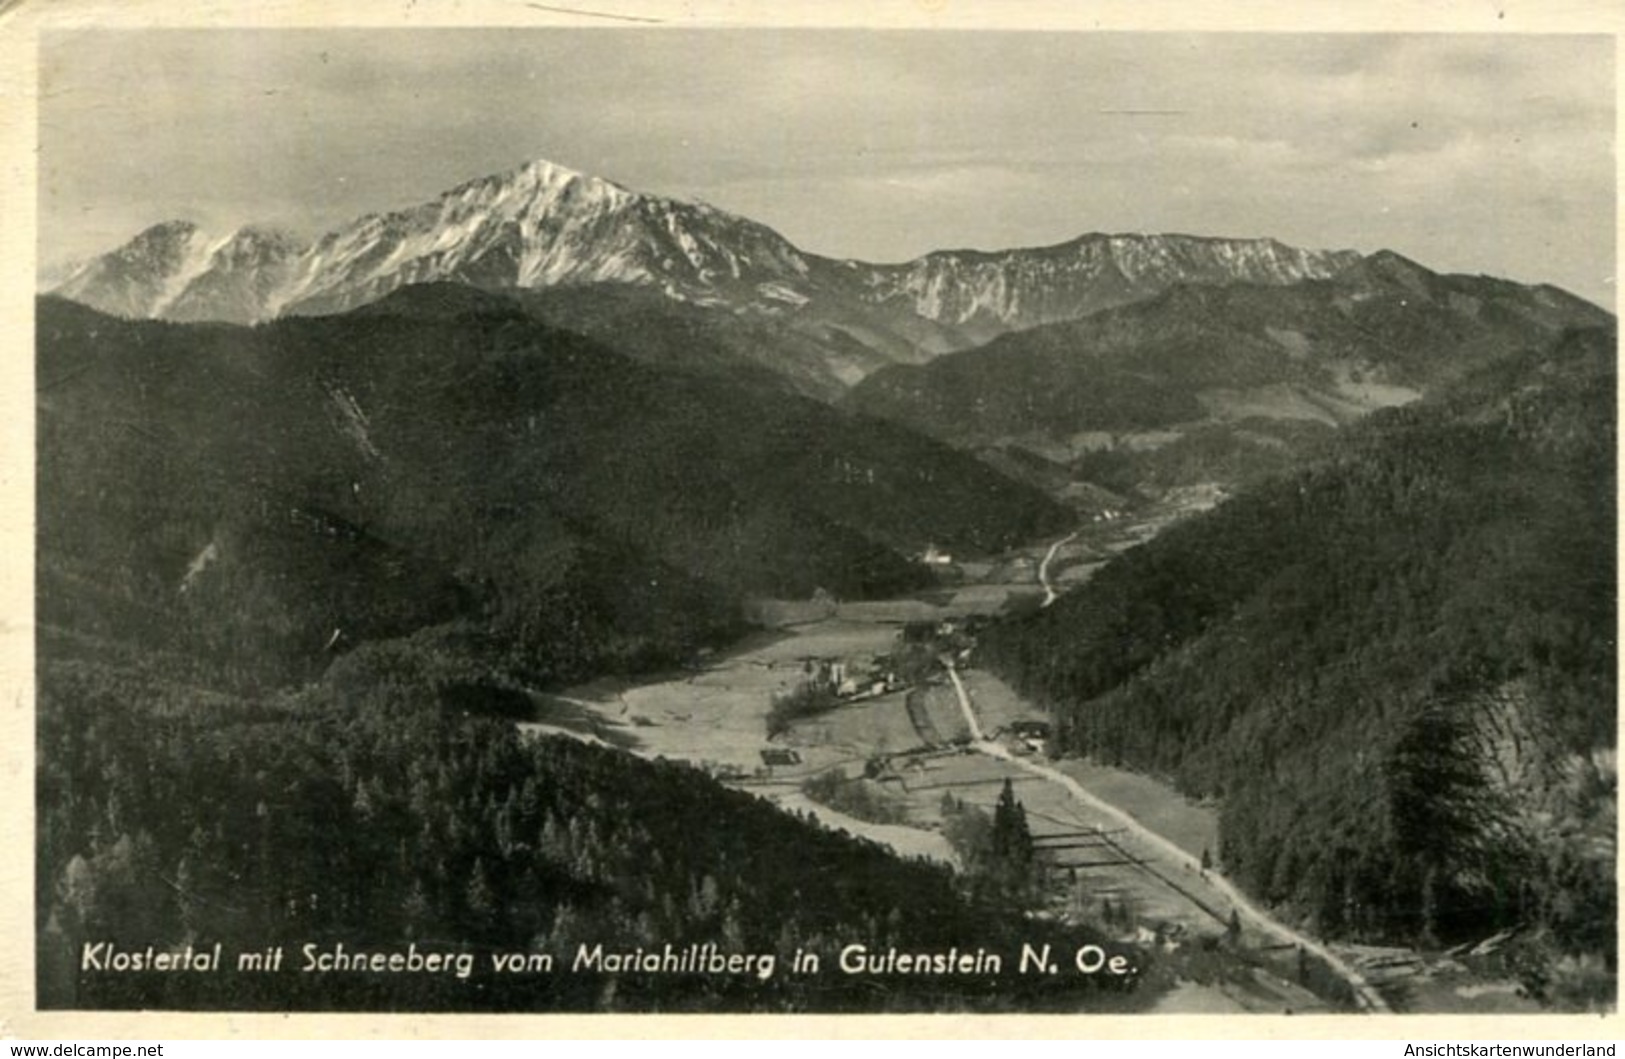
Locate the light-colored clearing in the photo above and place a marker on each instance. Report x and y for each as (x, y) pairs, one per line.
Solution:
(1191, 827)
(1275, 401)
(907, 841)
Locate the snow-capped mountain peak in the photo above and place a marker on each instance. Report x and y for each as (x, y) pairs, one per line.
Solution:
(542, 225)
(144, 276)
(539, 225)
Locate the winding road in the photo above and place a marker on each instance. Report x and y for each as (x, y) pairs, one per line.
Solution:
(1050, 595)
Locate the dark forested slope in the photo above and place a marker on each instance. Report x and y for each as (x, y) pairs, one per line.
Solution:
(267, 489)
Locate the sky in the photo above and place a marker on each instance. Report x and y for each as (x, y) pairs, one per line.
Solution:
(1469, 153)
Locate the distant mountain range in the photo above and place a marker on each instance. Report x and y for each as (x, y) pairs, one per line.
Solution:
(542, 226)
(1129, 362)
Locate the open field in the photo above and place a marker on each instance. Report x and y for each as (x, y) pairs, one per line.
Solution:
(906, 841)
(1107, 863)
(996, 704)
(990, 599)
(873, 726)
(719, 715)
(890, 611)
(1188, 825)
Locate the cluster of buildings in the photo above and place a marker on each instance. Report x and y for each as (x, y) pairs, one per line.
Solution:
(834, 675)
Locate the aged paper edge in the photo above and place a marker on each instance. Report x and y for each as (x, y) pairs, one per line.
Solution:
(21, 23)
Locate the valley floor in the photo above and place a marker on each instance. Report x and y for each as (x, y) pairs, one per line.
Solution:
(1114, 840)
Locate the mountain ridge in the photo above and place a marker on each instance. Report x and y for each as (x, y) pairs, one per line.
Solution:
(1209, 364)
(542, 226)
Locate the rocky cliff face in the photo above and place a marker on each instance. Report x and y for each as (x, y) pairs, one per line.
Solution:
(242, 274)
(145, 276)
(1023, 288)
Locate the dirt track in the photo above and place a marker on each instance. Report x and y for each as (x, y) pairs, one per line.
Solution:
(1050, 595)
(1368, 996)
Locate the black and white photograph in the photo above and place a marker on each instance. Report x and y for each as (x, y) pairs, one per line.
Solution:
(625, 515)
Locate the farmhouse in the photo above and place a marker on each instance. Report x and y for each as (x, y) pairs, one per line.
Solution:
(1034, 735)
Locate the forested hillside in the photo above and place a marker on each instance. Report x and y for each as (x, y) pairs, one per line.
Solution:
(271, 494)
(373, 811)
(1396, 669)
